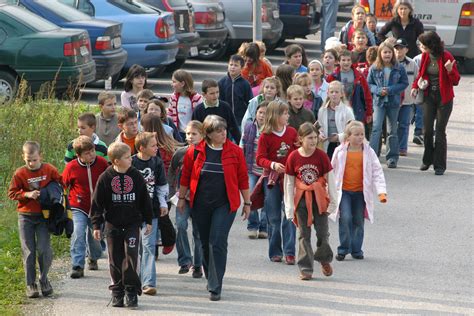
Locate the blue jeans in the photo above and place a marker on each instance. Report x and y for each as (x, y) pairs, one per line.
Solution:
(182, 241)
(35, 239)
(418, 117)
(255, 222)
(328, 27)
(214, 227)
(82, 241)
(380, 112)
(147, 262)
(278, 227)
(351, 223)
(403, 125)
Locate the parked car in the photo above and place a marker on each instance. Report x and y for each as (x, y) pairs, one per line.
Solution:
(209, 18)
(452, 20)
(105, 36)
(299, 17)
(238, 20)
(185, 28)
(147, 35)
(39, 51)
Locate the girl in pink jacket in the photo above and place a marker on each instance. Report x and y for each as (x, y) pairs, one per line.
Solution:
(357, 173)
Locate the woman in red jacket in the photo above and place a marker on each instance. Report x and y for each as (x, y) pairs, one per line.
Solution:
(215, 173)
(437, 76)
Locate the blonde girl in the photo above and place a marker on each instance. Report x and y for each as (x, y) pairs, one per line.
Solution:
(183, 100)
(312, 101)
(186, 259)
(270, 90)
(320, 85)
(333, 117)
(358, 174)
(276, 142)
(309, 197)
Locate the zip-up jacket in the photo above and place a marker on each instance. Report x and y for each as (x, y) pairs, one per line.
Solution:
(361, 99)
(237, 92)
(233, 165)
(81, 179)
(173, 108)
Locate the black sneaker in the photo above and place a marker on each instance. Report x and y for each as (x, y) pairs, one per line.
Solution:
(340, 257)
(32, 291)
(184, 269)
(439, 172)
(46, 288)
(197, 272)
(418, 139)
(117, 301)
(214, 297)
(92, 264)
(358, 257)
(77, 272)
(131, 300)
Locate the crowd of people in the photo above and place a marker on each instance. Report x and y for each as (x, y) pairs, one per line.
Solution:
(299, 143)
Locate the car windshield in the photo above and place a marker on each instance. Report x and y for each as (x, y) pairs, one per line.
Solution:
(132, 6)
(30, 19)
(64, 11)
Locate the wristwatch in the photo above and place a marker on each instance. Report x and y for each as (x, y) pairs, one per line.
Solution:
(247, 203)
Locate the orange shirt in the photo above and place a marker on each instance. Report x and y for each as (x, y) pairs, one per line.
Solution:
(256, 75)
(130, 142)
(353, 172)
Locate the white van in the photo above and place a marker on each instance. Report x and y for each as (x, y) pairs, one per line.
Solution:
(453, 20)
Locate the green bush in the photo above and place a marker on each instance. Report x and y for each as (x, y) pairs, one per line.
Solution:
(53, 124)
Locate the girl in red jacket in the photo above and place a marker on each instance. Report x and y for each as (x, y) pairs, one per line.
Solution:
(216, 174)
(437, 76)
(276, 142)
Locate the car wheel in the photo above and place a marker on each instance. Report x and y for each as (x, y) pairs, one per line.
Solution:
(466, 66)
(176, 65)
(118, 76)
(211, 53)
(8, 87)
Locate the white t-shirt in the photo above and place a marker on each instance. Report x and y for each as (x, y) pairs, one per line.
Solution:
(185, 112)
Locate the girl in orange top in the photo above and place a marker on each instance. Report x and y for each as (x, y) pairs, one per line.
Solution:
(255, 69)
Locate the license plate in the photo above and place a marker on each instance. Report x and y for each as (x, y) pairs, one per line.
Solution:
(117, 42)
(276, 14)
(193, 51)
(84, 51)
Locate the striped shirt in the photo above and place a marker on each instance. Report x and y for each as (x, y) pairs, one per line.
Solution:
(100, 149)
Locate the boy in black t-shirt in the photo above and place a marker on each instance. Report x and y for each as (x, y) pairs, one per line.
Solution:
(153, 171)
(121, 200)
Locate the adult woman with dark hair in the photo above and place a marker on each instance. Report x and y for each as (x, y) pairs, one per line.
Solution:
(403, 25)
(357, 23)
(255, 69)
(436, 78)
(215, 173)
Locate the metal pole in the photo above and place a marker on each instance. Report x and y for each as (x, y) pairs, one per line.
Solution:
(257, 20)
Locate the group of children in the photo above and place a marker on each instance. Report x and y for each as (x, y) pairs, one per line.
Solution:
(302, 132)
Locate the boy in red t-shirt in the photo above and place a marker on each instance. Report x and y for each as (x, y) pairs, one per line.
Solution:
(25, 188)
(80, 177)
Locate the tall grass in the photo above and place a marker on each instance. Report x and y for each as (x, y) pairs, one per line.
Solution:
(53, 124)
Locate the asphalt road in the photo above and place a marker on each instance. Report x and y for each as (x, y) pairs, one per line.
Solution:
(418, 255)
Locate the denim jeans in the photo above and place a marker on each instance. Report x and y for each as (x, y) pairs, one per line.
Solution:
(34, 236)
(403, 125)
(351, 223)
(214, 227)
(256, 222)
(182, 241)
(278, 227)
(329, 13)
(82, 241)
(418, 117)
(380, 112)
(147, 262)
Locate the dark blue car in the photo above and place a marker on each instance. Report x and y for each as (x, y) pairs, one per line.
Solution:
(105, 35)
(299, 17)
